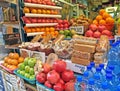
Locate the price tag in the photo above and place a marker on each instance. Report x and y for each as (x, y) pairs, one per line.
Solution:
(78, 29)
(117, 37)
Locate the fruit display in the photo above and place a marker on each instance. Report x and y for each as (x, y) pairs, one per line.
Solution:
(26, 68)
(62, 24)
(12, 61)
(57, 77)
(44, 2)
(39, 11)
(67, 33)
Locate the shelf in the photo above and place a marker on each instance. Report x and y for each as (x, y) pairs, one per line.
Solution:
(9, 1)
(40, 24)
(42, 15)
(33, 34)
(41, 6)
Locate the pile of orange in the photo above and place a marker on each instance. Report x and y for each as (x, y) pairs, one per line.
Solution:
(103, 18)
(39, 11)
(46, 30)
(12, 60)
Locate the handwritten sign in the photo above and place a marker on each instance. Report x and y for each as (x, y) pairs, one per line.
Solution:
(78, 29)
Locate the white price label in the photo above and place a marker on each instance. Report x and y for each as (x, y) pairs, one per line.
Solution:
(117, 37)
(78, 29)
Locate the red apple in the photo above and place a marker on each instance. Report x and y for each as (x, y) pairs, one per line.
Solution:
(41, 77)
(34, 1)
(43, 20)
(106, 32)
(101, 28)
(34, 20)
(65, 25)
(58, 87)
(89, 33)
(60, 26)
(96, 34)
(60, 21)
(93, 27)
(47, 84)
(39, 20)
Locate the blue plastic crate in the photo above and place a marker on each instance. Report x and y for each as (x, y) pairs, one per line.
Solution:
(26, 79)
(41, 87)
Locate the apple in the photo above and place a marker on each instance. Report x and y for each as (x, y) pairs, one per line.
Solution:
(27, 75)
(34, 20)
(21, 66)
(89, 33)
(58, 87)
(28, 1)
(61, 32)
(53, 4)
(41, 77)
(65, 21)
(55, 21)
(93, 27)
(97, 34)
(101, 28)
(39, 20)
(18, 71)
(47, 84)
(26, 61)
(32, 77)
(106, 32)
(61, 26)
(60, 21)
(65, 25)
(27, 68)
(34, 60)
(43, 20)
(31, 63)
(22, 72)
(31, 71)
(34, 1)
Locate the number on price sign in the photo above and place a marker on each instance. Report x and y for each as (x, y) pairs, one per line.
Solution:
(78, 29)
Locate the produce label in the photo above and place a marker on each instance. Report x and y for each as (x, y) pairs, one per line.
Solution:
(78, 29)
(117, 38)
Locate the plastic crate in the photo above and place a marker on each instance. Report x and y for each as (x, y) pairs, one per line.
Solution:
(26, 79)
(41, 87)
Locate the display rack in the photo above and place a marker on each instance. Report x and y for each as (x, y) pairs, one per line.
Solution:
(40, 24)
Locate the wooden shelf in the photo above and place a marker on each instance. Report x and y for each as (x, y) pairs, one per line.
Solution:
(40, 24)
(42, 6)
(42, 15)
(33, 34)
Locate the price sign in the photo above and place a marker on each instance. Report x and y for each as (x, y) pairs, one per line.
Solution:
(117, 37)
(78, 29)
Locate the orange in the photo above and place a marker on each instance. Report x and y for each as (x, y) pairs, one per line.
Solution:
(47, 29)
(95, 22)
(47, 33)
(55, 12)
(14, 62)
(5, 64)
(105, 15)
(26, 10)
(8, 66)
(28, 30)
(9, 61)
(109, 20)
(52, 29)
(56, 32)
(16, 55)
(21, 59)
(13, 67)
(38, 29)
(99, 17)
(39, 11)
(42, 29)
(102, 22)
(11, 55)
(33, 29)
(102, 11)
(6, 59)
(52, 33)
(48, 11)
(34, 11)
(44, 11)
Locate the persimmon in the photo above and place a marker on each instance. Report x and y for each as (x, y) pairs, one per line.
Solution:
(28, 30)
(9, 61)
(6, 59)
(47, 29)
(39, 11)
(34, 11)
(13, 67)
(16, 56)
(95, 22)
(26, 10)
(11, 55)
(99, 17)
(109, 20)
(33, 30)
(14, 62)
(102, 11)
(38, 29)
(105, 15)
(102, 22)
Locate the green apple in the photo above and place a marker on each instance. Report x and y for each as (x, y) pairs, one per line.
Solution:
(22, 72)
(31, 62)
(27, 75)
(66, 32)
(18, 71)
(31, 71)
(34, 59)
(61, 32)
(26, 61)
(32, 77)
(68, 37)
(21, 66)
(73, 32)
(27, 68)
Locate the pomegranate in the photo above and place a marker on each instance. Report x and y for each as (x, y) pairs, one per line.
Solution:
(97, 34)
(46, 68)
(69, 86)
(58, 87)
(59, 66)
(61, 81)
(67, 75)
(47, 84)
(53, 77)
(106, 32)
(93, 27)
(89, 33)
(41, 77)
(34, 20)
(101, 28)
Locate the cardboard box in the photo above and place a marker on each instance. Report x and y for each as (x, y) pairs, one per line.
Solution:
(75, 67)
(84, 48)
(80, 61)
(83, 55)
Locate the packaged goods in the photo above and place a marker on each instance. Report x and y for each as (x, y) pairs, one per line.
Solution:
(100, 56)
(84, 40)
(103, 44)
(84, 48)
(83, 55)
(80, 61)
